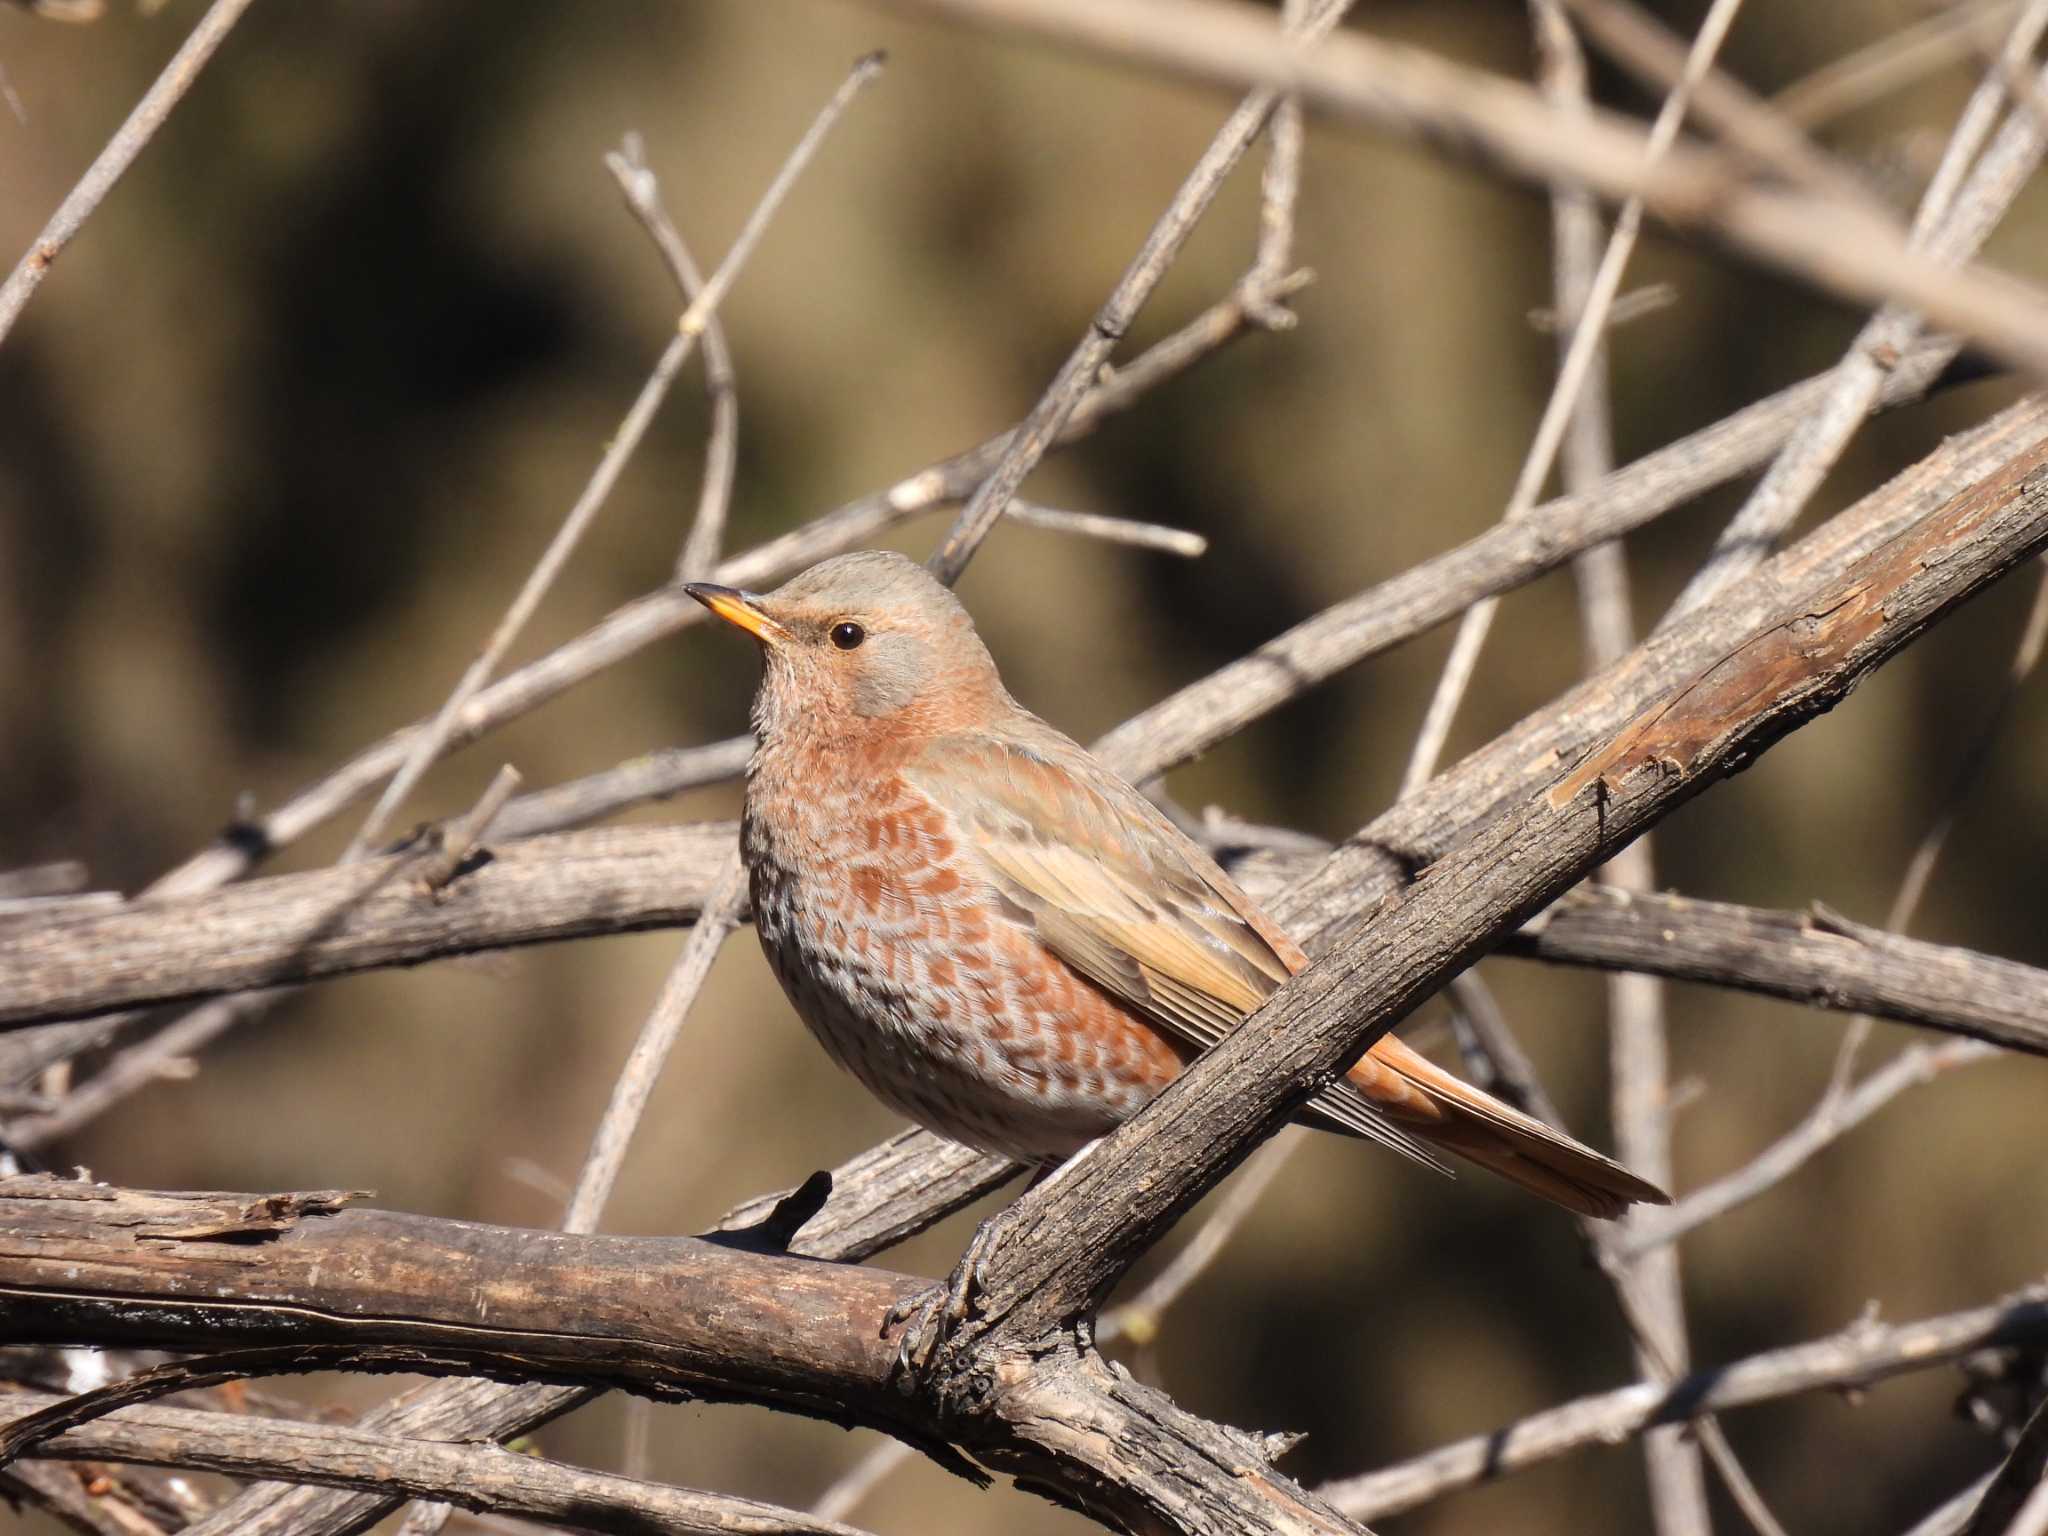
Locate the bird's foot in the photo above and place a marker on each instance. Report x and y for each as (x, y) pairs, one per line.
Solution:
(928, 1317)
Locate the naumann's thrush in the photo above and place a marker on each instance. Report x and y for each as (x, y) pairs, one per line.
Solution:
(1001, 938)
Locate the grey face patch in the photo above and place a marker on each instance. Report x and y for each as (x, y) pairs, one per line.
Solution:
(889, 671)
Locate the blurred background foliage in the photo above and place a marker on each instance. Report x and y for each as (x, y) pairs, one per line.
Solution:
(293, 417)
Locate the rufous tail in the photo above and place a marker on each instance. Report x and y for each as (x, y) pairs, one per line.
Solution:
(1422, 1098)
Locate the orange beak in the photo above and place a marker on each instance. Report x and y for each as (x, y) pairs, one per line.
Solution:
(740, 609)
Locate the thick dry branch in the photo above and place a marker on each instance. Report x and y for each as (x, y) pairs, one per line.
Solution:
(630, 879)
(1839, 247)
(476, 1477)
(690, 1317)
(294, 928)
(1865, 1352)
(878, 1198)
(1056, 1253)
(1819, 958)
(88, 1263)
(1382, 856)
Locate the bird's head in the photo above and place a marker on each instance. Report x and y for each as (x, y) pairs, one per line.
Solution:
(857, 642)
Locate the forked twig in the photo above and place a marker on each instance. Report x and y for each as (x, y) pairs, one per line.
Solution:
(427, 750)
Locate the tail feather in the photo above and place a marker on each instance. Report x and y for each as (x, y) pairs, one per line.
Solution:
(1422, 1098)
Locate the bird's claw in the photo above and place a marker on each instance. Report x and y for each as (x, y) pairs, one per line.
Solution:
(929, 1316)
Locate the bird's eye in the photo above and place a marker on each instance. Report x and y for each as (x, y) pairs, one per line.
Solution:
(847, 636)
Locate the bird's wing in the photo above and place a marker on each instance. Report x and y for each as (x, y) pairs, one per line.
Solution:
(1113, 888)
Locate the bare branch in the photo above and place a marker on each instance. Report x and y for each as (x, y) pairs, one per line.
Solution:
(657, 1037)
(1648, 1293)
(1583, 353)
(659, 614)
(642, 192)
(1950, 228)
(1382, 857)
(1890, 62)
(360, 1289)
(475, 1477)
(1110, 530)
(299, 927)
(460, 840)
(1840, 248)
(1049, 417)
(1831, 1120)
(1819, 958)
(428, 748)
(1865, 1352)
(1758, 130)
(1056, 1252)
(1187, 723)
(113, 161)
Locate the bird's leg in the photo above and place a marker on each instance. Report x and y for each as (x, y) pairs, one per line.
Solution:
(929, 1317)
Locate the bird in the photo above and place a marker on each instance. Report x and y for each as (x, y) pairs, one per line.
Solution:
(997, 935)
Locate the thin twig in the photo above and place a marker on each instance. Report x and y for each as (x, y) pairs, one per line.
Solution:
(1890, 63)
(1865, 1352)
(1753, 128)
(460, 839)
(861, 1479)
(428, 749)
(1949, 227)
(1388, 88)
(1828, 1122)
(657, 615)
(1557, 412)
(653, 776)
(1111, 530)
(1586, 283)
(1139, 1318)
(658, 1035)
(1631, 306)
(481, 1476)
(1927, 852)
(113, 161)
(1047, 419)
(628, 165)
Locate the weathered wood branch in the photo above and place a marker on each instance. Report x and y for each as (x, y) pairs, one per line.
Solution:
(1057, 1252)
(686, 1317)
(1817, 957)
(353, 917)
(306, 927)
(1421, 828)
(474, 1477)
(876, 1199)
(689, 1317)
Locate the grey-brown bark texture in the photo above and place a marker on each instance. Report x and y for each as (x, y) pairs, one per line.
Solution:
(516, 1327)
